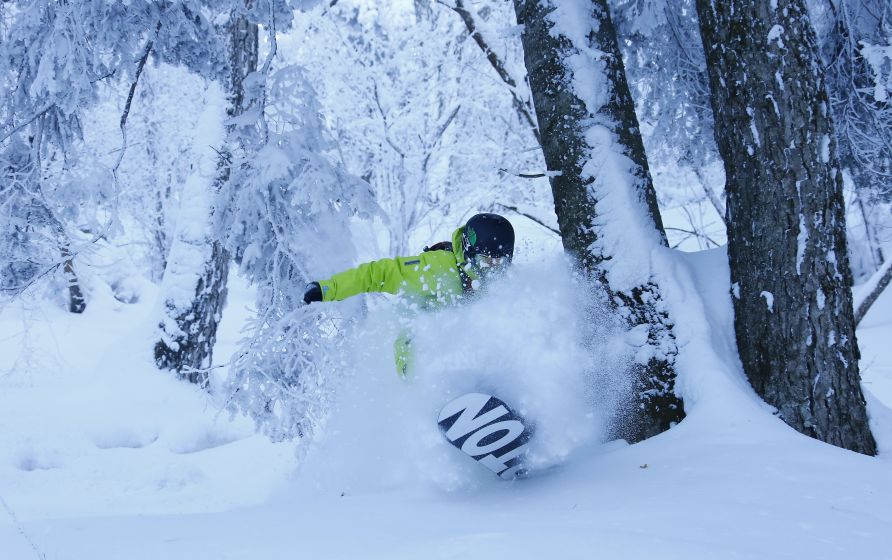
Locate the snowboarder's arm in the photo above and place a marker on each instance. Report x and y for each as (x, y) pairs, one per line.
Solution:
(385, 275)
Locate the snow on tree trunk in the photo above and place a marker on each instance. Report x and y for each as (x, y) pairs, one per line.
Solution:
(194, 287)
(194, 283)
(786, 217)
(604, 198)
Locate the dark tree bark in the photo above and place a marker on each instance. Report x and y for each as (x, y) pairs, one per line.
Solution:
(188, 334)
(160, 242)
(566, 124)
(786, 217)
(76, 301)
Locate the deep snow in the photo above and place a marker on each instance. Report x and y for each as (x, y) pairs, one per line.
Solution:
(102, 456)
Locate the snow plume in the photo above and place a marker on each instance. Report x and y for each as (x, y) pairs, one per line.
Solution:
(520, 341)
(287, 221)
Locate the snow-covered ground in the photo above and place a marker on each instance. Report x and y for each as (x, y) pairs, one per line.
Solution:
(104, 457)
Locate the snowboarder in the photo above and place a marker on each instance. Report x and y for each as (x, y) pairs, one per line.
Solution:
(442, 275)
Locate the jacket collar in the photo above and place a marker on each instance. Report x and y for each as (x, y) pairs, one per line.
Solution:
(459, 252)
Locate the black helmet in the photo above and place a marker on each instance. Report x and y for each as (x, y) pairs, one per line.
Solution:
(490, 235)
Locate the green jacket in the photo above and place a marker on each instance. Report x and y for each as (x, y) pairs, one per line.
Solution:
(431, 280)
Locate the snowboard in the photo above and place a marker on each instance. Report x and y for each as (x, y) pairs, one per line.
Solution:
(489, 431)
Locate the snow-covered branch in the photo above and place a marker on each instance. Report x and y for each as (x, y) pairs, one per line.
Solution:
(523, 107)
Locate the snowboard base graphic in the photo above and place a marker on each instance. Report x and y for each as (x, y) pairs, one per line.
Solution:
(489, 431)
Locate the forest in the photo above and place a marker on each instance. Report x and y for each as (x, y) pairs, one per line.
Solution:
(692, 332)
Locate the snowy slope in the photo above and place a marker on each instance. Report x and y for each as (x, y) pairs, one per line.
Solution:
(91, 428)
(101, 456)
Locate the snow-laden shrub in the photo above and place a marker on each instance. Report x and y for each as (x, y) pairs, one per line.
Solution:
(288, 221)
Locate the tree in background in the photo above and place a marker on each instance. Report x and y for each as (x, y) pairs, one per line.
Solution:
(287, 220)
(603, 195)
(55, 60)
(853, 36)
(194, 284)
(786, 217)
(666, 69)
(417, 111)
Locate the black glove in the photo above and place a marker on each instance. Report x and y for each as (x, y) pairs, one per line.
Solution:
(313, 293)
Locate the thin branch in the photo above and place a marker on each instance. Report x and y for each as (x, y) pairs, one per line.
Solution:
(531, 175)
(123, 124)
(872, 290)
(528, 216)
(384, 119)
(104, 76)
(15, 290)
(696, 234)
(710, 194)
(30, 120)
(439, 135)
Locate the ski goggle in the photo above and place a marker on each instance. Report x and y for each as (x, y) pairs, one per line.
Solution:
(486, 261)
(486, 264)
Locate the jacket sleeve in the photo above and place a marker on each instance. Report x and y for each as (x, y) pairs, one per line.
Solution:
(385, 275)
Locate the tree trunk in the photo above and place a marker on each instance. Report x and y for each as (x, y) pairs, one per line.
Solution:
(76, 301)
(159, 230)
(603, 195)
(189, 328)
(786, 217)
